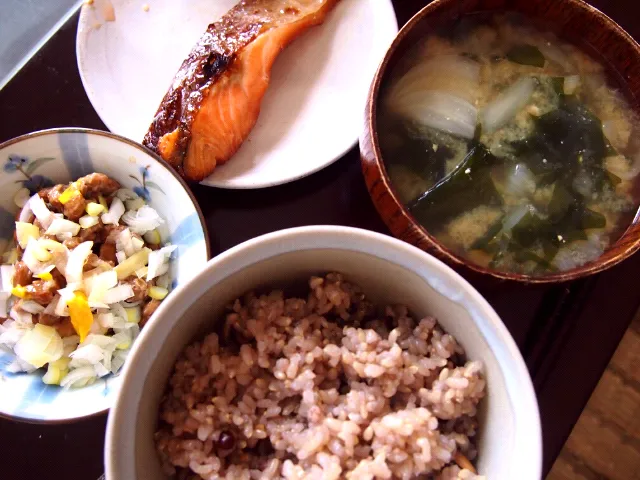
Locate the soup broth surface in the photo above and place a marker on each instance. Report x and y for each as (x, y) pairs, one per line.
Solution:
(510, 146)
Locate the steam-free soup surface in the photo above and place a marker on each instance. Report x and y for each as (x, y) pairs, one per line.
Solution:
(510, 146)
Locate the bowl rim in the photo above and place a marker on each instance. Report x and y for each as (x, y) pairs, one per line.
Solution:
(369, 140)
(166, 166)
(309, 238)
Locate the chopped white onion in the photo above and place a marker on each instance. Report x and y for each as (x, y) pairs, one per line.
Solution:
(76, 261)
(7, 272)
(78, 377)
(440, 110)
(68, 293)
(121, 257)
(515, 215)
(571, 84)
(142, 220)
(60, 226)
(20, 316)
(31, 307)
(505, 106)
(31, 256)
(134, 204)
(112, 217)
(89, 354)
(101, 370)
(118, 294)
(40, 210)
(521, 181)
(39, 346)
(25, 231)
(61, 309)
(100, 284)
(452, 74)
(137, 243)
(88, 221)
(159, 259)
(124, 243)
(553, 53)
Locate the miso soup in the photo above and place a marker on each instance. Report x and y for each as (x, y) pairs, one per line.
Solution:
(510, 145)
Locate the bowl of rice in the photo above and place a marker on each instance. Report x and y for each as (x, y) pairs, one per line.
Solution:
(95, 233)
(325, 352)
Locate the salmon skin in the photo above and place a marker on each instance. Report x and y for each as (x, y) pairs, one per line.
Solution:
(214, 100)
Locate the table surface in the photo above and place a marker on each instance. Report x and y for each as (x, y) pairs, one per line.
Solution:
(567, 333)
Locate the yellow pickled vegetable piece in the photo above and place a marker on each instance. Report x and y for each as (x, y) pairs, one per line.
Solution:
(95, 209)
(41, 253)
(69, 193)
(19, 291)
(80, 313)
(46, 276)
(25, 231)
(152, 237)
(158, 293)
(103, 202)
(124, 344)
(62, 363)
(53, 375)
(133, 263)
(133, 314)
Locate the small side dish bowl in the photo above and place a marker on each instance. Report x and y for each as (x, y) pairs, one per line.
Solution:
(390, 272)
(49, 157)
(572, 20)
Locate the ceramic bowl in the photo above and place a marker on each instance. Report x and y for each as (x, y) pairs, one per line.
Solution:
(390, 271)
(574, 20)
(55, 156)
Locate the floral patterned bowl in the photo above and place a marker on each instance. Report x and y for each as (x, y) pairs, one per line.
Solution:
(48, 157)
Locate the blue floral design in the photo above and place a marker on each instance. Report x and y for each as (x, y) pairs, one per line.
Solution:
(18, 163)
(143, 189)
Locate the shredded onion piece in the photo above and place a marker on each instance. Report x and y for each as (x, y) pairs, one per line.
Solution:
(157, 259)
(441, 111)
(88, 221)
(76, 261)
(112, 217)
(6, 272)
(40, 210)
(78, 377)
(142, 220)
(31, 307)
(118, 294)
(505, 106)
(40, 345)
(60, 226)
(100, 285)
(124, 243)
(25, 231)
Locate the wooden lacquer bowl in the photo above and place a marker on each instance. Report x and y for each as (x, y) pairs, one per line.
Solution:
(574, 21)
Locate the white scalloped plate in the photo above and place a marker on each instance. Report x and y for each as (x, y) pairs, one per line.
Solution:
(311, 115)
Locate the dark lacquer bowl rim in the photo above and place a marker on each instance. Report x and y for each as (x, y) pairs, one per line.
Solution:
(402, 223)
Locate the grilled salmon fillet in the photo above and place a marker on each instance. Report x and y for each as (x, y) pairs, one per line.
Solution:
(214, 100)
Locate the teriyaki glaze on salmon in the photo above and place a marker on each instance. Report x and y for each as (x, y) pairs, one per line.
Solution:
(214, 100)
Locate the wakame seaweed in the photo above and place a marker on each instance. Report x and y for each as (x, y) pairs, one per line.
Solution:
(526, 54)
(469, 184)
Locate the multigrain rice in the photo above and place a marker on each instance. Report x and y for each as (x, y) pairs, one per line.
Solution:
(321, 388)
